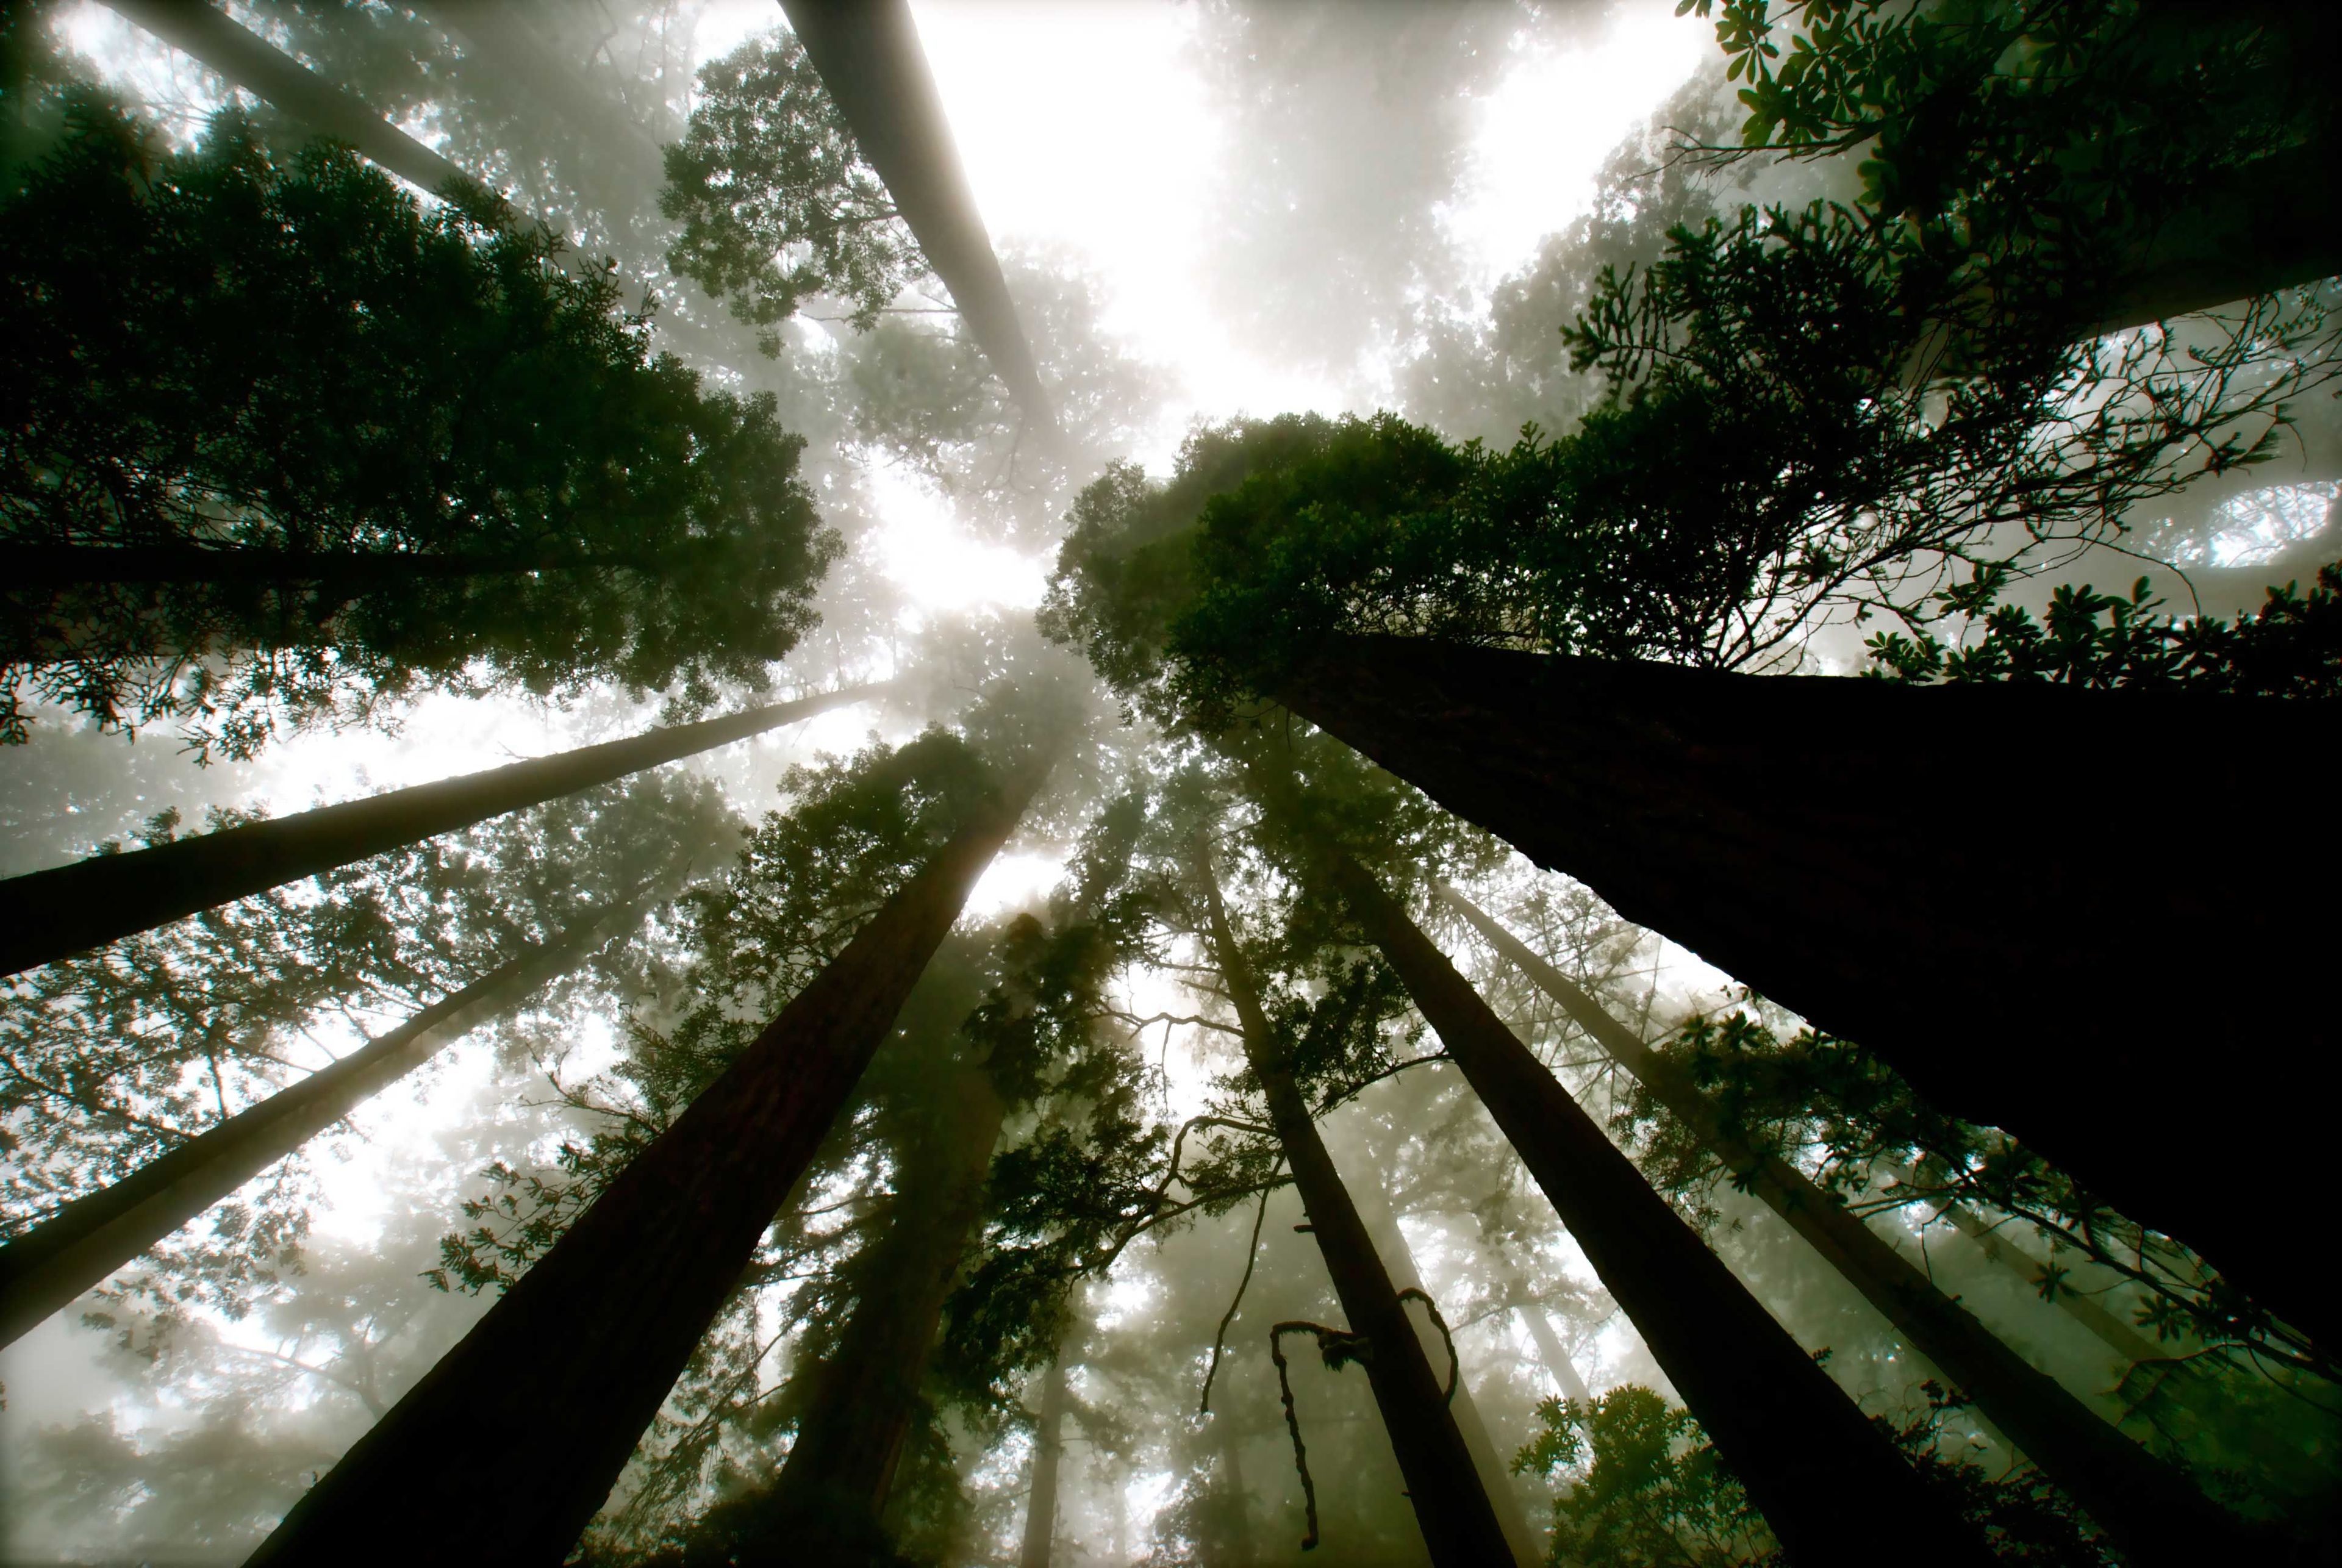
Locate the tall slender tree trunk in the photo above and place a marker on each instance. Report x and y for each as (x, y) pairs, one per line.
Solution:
(869, 57)
(49, 1266)
(1554, 1354)
(1459, 1524)
(2154, 1512)
(1235, 1513)
(197, 28)
(1049, 1453)
(1995, 933)
(1495, 1476)
(46, 916)
(850, 1440)
(562, 1374)
(1829, 1483)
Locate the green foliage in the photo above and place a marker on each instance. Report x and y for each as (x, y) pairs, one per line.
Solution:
(2290, 647)
(1646, 1489)
(340, 449)
(776, 203)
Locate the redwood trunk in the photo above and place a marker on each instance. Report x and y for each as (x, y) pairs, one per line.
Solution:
(1460, 1524)
(1829, 1483)
(2153, 1511)
(45, 1268)
(46, 916)
(570, 1367)
(2004, 937)
(1495, 1476)
(1048, 1452)
(850, 1441)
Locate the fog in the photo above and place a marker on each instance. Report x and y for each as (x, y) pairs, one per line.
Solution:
(1203, 212)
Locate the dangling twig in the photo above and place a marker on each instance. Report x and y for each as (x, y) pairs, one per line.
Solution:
(1337, 1348)
(1252, 1257)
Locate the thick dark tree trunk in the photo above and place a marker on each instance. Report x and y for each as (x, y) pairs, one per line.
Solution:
(570, 1367)
(1048, 1452)
(91, 1237)
(865, 1396)
(868, 55)
(1495, 1475)
(46, 916)
(1828, 1481)
(1995, 933)
(1459, 1524)
(2154, 1512)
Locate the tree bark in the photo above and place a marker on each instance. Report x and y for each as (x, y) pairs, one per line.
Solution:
(1495, 1477)
(45, 1269)
(1829, 1482)
(46, 916)
(850, 1439)
(1556, 1357)
(1459, 1524)
(868, 55)
(2154, 1512)
(565, 1371)
(197, 28)
(1049, 1453)
(1816, 839)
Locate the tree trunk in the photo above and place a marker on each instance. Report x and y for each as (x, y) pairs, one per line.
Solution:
(868, 55)
(1235, 1539)
(1495, 1476)
(1556, 1357)
(45, 1269)
(197, 28)
(502, 39)
(1816, 839)
(46, 916)
(1827, 1481)
(1459, 1524)
(1049, 1453)
(2153, 1511)
(569, 1367)
(865, 1396)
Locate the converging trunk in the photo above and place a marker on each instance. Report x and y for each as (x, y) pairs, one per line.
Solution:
(46, 916)
(2153, 1511)
(1820, 840)
(865, 1396)
(45, 1269)
(1049, 1453)
(1459, 1524)
(1829, 1484)
(1495, 1476)
(600, 1328)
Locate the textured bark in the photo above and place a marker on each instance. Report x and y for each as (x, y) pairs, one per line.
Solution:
(595, 1335)
(1048, 1452)
(197, 28)
(868, 55)
(1829, 1483)
(2153, 1511)
(1982, 931)
(1495, 1477)
(850, 1439)
(46, 916)
(1458, 1521)
(45, 1268)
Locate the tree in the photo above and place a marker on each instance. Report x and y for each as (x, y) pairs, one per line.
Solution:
(146, 1085)
(345, 450)
(52, 915)
(1826, 1491)
(2119, 1484)
(602, 1324)
(775, 199)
